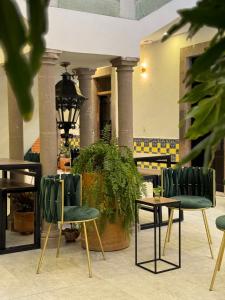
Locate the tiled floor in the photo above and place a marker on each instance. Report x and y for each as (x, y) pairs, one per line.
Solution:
(117, 277)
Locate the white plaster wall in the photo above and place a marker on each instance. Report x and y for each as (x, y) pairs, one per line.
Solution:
(82, 32)
(156, 109)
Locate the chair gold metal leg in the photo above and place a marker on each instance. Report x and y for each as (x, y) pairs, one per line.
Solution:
(167, 232)
(59, 239)
(207, 232)
(207, 226)
(222, 253)
(43, 250)
(171, 224)
(99, 239)
(218, 262)
(87, 249)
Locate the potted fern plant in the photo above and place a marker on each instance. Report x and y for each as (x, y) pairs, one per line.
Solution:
(111, 183)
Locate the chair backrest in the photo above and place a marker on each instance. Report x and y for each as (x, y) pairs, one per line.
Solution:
(32, 156)
(193, 181)
(59, 191)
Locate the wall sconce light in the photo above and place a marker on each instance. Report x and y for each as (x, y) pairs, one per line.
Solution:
(143, 70)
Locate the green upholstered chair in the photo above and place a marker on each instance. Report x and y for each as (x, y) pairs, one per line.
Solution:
(220, 224)
(60, 200)
(194, 188)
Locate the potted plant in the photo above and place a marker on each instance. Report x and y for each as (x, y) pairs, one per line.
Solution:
(111, 183)
(72, 233)
(157, 192)
(24, 213)
(64, 156)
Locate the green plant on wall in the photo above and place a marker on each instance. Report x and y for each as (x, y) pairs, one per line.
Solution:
(117, 183)
(208, 97)
(15, 34)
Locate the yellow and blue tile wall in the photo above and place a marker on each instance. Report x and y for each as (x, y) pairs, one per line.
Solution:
(75, 142)
(151, 146)
(157, 146)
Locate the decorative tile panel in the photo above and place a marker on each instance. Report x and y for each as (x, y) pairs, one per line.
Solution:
(145, 145)
(75, 142)
(157, 146)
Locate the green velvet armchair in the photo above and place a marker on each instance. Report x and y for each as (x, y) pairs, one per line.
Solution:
(196, 191)
(61, 203)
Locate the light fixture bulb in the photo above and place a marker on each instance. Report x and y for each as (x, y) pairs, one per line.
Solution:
(143, 69)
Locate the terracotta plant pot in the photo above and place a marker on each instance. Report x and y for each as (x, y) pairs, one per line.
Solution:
(113, 235)
(24, 222)
(62, 162)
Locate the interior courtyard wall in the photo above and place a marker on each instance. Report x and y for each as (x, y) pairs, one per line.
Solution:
(156, 109)
(156, 96)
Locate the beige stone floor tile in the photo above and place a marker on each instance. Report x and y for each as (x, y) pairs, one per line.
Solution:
(117, 277)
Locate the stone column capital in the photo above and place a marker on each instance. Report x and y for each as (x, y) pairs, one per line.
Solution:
(51, 56)
(84, 72)
(124, 63)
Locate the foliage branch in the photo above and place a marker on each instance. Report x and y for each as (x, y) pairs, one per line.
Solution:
(15, 34)
(117, 184)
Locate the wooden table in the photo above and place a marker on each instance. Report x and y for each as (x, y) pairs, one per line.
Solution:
(10, 167)
(156, 206)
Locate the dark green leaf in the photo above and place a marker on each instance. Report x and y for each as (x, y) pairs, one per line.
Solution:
(37, 15)
(14, 36)
(195, 151)
(207, 59)
(198, 92)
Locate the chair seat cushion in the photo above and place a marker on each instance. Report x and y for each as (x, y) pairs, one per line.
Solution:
(77, 213)
(220, 222)
(193, 202)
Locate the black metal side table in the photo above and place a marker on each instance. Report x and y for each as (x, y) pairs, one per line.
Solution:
(156, 206)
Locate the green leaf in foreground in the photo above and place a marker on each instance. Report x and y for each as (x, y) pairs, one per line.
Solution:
(15, 34)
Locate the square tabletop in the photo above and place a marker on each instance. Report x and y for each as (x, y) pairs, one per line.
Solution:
(7, 163)
(157, 202)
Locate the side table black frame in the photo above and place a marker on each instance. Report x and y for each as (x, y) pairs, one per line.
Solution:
(156, 209)
(159, 158)
(11, 186)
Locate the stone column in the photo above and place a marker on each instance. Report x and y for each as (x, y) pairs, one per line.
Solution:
(88, 123)
(15, 127)
(125, 99)
(47, 123)
(47, 112)
(16, 151)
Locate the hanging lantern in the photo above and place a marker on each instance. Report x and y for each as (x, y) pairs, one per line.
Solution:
(68, 103)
